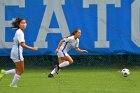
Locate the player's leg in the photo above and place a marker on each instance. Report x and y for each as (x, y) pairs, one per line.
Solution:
(67, 60)
(63, 62)
(11, 71)
(55, 70)
(19, 71)
(2, 73)
(64, 59)
(6, 72)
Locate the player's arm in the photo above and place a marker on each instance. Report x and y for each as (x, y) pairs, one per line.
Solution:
(21, 41)
(28, 47)
(59, 45)
(79, 50)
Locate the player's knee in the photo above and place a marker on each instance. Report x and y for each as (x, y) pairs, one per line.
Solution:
(70, 61)
(20, 71)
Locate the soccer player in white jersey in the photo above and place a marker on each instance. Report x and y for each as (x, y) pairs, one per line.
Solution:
(16, 52)
(64, 46)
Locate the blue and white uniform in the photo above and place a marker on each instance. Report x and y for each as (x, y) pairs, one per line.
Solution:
(68, 43)
(16, 52)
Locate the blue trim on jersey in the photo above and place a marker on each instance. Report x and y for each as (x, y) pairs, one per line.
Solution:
(19, 52)
(64, 48)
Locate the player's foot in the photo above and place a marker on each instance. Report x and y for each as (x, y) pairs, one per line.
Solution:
(57, 68)
(50, 75)
(14, 86)
(2, 73)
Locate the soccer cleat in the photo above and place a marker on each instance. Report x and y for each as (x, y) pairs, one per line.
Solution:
(50, 75)
(2, 73)
(57, 68)
(14, 86)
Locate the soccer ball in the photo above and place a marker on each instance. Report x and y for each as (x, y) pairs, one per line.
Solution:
(125, 72)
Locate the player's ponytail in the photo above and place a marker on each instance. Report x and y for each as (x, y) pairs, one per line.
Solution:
(73, 33)
(16, 22)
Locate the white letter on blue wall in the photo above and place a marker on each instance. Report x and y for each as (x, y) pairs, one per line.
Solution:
(52, 6)
(135, 22)
(101, 5)
(3, 4)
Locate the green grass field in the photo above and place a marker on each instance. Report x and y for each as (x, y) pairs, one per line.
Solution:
(74, 81)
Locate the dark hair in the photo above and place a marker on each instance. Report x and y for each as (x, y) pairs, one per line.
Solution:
(73, 33)
(16, 22)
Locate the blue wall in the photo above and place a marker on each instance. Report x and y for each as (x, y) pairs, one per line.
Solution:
(115, 39)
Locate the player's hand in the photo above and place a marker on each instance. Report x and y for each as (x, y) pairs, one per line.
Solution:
(35, 48)
(85, 51)
(57, 50)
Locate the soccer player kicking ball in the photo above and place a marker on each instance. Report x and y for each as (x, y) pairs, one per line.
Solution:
(16, 52)
(64, 46)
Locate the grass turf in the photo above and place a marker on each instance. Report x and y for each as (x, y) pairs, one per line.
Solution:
(74, 81)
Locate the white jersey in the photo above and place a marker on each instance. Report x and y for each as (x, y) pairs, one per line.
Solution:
(16, 52)
(69, 43)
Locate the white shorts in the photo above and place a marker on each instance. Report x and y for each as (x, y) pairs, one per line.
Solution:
(16, 57)
(62, 54)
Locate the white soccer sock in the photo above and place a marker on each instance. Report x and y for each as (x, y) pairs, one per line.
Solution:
(11, 71)
(63, 64)
(53, 71)
(15, 79)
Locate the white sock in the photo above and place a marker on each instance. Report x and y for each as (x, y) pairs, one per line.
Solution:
(53, 71)
(63, 64)
(15, 79)
(11, 71)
